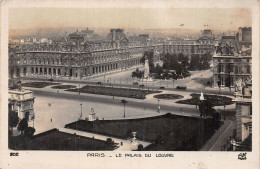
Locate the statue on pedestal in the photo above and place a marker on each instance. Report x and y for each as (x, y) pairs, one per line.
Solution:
(147, 68)
(239, 86)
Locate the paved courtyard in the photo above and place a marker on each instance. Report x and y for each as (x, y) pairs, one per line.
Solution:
(55, 108)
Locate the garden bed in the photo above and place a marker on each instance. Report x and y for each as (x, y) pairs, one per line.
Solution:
(167, 132)
(38, 84)
(168, 96)
(112, 91)
(63, 87)
(215, 100)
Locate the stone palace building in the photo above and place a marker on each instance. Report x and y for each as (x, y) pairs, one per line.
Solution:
(80, 58)
(232, 63)
(77, 57)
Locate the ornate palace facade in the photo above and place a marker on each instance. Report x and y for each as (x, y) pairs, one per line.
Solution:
(204, 44)
(76, 58)
(190, 47)
(232, 67)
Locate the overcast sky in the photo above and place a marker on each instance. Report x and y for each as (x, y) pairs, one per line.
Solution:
(129, 18)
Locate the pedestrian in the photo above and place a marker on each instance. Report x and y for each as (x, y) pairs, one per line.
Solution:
(51, 120)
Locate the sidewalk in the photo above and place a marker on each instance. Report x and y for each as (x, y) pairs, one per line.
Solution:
(220, 138)
(127, 146)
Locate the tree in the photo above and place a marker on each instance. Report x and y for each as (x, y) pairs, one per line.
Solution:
(29, 131)
(137, 73)
(13, 119)
(140, 147)
(142, 60)
(194, 62)
(22, 125)
(205, 61)
(170, 62)
(158, 69)
(51, 80)
(109, 141)
(124, 102)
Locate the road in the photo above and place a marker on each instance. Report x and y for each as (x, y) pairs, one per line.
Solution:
(54, 110)
(123, 79)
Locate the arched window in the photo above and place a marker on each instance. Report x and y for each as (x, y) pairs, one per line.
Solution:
(27, 114)
(236, 69)
(248, 69)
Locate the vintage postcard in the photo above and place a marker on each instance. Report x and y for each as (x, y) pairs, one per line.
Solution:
(111, 84)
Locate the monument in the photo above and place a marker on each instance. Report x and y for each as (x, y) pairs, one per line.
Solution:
(92, 115)
(147, 71)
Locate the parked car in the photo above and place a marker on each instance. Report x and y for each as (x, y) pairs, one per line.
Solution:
(99, 83)
(186, 74)
(135, 83)
(142, 86)
(179, 77)
(181, 87)
(162, 87)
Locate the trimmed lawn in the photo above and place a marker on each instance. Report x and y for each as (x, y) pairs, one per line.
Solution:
(63, 87)
(56, 140)
(38, 84)
(115, 91)
(167, 132)
(215, 100)
(168, 96)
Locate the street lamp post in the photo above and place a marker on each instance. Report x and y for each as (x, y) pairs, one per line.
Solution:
(159, 106)
(113, 91)
(224, 112)
(202, 102)
(79, 89)
(124, 102)
(80, 111)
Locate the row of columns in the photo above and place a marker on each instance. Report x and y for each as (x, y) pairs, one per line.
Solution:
(114, 66)
(224, 68)
(69, 71)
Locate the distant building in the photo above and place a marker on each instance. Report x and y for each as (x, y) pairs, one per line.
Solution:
(204, 44)
(76, 37)
(44, 40)
(87, 31)
(245, 34)
(58, 40)
(207, 32)
(143, 38)
(244, 37)
(116, 37)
